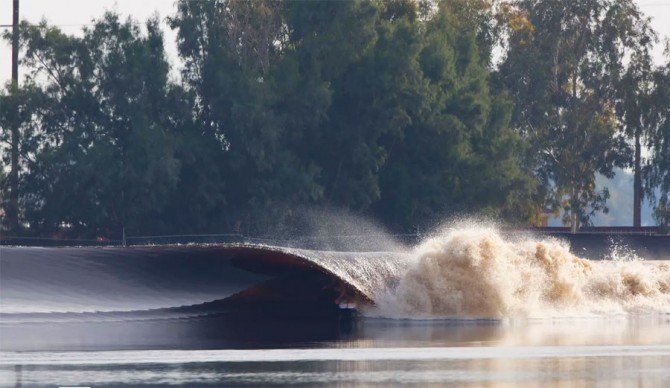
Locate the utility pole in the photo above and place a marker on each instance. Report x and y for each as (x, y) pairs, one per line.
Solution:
(15, 43)
(13, 206)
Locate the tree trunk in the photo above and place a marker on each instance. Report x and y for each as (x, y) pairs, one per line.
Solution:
(574, 223)
(637, 183)
(574, 219)
(13, 180)
(574, 201)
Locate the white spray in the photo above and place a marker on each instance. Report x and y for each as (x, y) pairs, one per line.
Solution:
(475, 271)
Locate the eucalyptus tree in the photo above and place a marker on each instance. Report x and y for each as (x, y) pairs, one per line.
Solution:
(658, 170)
(633, 80)
(565, 64)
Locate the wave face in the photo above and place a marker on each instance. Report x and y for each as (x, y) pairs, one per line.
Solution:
(88, 280)
(153, 282)
(463, 272)
(477, 272)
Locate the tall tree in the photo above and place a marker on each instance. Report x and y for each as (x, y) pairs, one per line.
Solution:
(19, 108)
(457, 153)
(563, 69)
(360, 58)
(107, 154)
(630, 44)
(658, 169)
(233, 63)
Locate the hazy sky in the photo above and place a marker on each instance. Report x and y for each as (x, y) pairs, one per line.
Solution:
(70, 15)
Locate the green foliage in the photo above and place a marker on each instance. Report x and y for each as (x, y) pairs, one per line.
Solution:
(658, 169)
(457, 153)
(564, 70)
(389, 109)
(241, 104)
(104, 152)
(18, 108)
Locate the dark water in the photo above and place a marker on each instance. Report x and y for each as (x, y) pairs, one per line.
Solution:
(214, 352)
(157, 316)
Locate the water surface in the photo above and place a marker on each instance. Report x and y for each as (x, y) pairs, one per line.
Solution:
(621, 351)
(469, 307)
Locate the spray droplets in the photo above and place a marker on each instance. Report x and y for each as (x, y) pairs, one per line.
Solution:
(478, 272)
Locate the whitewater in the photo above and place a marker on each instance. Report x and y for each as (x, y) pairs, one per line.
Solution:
(477, 271)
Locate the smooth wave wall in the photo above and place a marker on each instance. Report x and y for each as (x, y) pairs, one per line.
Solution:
(465, 271)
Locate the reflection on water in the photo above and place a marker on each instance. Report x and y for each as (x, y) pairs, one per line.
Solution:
(218, 350)
(607, 371)
(619, 330)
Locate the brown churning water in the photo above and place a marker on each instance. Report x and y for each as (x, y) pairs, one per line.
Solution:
(478, 272)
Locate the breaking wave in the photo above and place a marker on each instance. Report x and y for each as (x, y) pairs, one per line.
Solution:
(478, 272)
(463, 272)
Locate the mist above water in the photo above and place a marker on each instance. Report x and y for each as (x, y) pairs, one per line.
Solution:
(339, 230)
(473, 270)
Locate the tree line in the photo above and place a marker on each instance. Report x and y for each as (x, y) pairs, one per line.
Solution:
(404, 111)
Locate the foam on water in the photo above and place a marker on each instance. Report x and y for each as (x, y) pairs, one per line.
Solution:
(476, 271)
